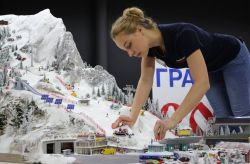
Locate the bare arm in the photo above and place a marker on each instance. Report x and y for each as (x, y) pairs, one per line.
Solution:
(142, 91)
(144, 85)
(199, 74)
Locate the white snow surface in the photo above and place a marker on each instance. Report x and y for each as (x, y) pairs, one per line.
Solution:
(45, 33)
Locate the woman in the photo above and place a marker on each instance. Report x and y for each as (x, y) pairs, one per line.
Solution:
(219, 65)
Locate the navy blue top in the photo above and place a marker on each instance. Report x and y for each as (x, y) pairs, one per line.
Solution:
(182, 39)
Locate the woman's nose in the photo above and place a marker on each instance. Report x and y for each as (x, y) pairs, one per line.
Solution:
(130, 53)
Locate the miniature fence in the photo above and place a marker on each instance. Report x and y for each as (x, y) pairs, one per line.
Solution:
(93, 122)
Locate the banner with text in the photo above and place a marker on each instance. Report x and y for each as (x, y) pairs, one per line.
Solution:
(170, 87)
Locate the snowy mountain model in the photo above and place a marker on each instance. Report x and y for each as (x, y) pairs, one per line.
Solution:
(47, 92)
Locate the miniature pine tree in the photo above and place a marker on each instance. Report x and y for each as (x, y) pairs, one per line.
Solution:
(114, 90)
(121, 97)
(145, 106)
(21, 64)
(125, 100)
(109, 91)
(234, 132)
(98, 92)
(227, 130)
(198, 131)
(149, 104)
(240, 130)
(93, 91)
(3, 121)
(103, 90)
(157, 105)
(206, 159)
(239, 157)
(222, 131)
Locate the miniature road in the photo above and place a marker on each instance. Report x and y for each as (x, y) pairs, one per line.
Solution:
(106, 159)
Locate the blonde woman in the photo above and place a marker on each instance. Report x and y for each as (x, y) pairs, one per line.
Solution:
(219, 65)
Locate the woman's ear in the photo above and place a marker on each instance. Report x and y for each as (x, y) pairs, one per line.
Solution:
(140, 29)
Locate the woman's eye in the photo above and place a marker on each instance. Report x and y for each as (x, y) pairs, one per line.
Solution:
(129, 45)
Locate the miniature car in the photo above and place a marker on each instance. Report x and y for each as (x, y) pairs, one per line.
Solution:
(184, 132)
(121, 132)
(108, 151)
(184, 159)
(151, 158)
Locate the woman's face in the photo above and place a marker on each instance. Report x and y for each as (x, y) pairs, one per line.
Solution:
(135, 44)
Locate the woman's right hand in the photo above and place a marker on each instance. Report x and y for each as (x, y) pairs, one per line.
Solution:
(123, 120)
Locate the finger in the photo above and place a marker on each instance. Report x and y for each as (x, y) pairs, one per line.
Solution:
(156, 130)
(159, 133)
(116, 123)
(162, 133)
(124, 118)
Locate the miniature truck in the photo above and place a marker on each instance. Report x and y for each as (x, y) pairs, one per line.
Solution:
(108, 151)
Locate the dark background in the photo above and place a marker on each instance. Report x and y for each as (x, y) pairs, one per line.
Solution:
(90, 22)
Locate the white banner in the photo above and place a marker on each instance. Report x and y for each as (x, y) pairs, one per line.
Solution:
(170, 88)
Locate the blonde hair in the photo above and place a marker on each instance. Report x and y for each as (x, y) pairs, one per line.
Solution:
(128, 22)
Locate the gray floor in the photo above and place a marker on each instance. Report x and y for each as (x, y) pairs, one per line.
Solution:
(106, 159)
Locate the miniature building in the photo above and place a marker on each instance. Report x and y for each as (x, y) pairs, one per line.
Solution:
(56, 146)
(156, 148)
(182, 143)
(170, 147)
(84, 101)
(220, 132)
(3, 22)
(90, 145)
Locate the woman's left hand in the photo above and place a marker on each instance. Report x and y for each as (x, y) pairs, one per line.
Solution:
(161, 128)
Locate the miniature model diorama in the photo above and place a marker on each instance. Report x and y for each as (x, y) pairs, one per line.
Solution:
(52, 102)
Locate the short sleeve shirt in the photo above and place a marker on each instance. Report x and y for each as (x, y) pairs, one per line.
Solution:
(182, 39)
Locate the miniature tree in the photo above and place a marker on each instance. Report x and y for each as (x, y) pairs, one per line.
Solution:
(222, 131)
(31, 60)
(121, 97)
(114, 90)
(157, 108)
(239, 157)
(150, 107)
(145, 106)
(206, 159)
(13, 48)
(198, 131)
(125, 100)
(21, 64)
(3, 121)
(109, 91)
(17, 116)
(44, 77)
(98, 92)
(240, 130)
(93, 91)
(103, 90)
(227, 130)
(234, 132)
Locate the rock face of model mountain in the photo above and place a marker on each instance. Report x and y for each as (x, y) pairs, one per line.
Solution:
(51, 45)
